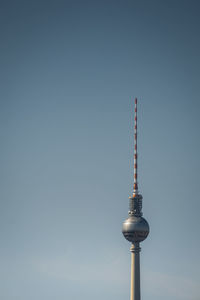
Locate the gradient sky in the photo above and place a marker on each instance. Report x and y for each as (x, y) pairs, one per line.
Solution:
(69, 73)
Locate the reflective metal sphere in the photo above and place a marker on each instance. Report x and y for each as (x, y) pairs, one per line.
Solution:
(135, 229)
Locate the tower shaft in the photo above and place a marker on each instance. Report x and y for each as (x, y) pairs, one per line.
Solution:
(135, 272)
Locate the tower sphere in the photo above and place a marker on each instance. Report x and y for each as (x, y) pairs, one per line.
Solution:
(135, 229)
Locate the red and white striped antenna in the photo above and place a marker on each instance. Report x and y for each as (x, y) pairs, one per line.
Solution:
(135, 183)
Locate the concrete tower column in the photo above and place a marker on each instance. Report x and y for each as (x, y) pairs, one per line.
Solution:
(135, 271)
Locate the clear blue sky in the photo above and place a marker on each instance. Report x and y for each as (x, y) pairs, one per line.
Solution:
(69, 73)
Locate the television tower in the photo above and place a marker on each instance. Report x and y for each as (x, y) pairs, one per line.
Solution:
(135, 229)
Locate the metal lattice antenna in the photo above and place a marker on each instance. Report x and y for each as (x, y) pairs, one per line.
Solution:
(135, 183)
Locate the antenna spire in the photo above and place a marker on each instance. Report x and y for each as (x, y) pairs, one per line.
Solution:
(135, 184)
